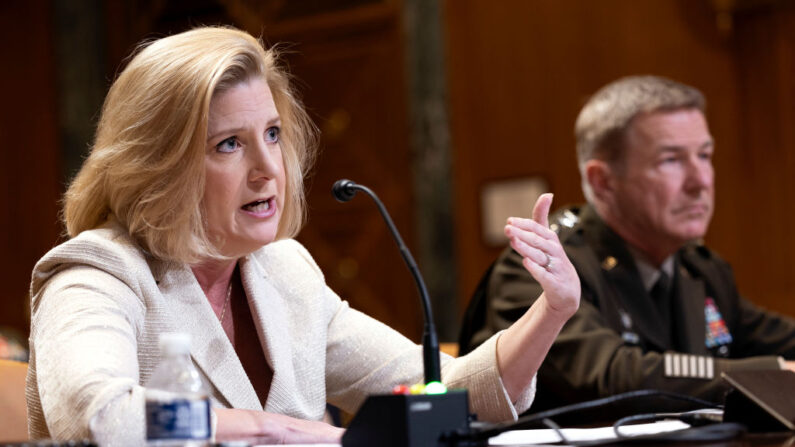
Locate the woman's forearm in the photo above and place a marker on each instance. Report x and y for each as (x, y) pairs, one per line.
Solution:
(523, 346)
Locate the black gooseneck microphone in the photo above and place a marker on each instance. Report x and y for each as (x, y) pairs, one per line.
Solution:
(344, 190)
(414, 420)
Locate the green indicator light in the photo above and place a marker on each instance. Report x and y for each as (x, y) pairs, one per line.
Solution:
(435, 388)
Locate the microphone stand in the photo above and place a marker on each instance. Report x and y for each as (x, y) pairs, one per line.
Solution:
(420, 420)
(430, 342)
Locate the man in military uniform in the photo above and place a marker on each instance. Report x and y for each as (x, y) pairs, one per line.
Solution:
(659, 310)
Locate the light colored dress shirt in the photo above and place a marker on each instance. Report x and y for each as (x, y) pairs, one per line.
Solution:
(649, 274)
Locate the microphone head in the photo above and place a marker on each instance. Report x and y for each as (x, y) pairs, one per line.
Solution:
(343, 190)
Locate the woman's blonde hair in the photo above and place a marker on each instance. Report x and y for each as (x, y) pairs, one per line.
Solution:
(146, 168)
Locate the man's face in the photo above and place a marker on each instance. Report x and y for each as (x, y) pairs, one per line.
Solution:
(664, 189)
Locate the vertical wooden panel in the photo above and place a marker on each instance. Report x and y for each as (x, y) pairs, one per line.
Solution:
(353, 82)
(763, 188)
(431, 163)
(30, 166)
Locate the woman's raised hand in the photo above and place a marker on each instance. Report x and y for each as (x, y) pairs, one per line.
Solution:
(544, 257)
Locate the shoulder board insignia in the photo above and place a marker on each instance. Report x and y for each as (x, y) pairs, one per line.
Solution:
(568, 219)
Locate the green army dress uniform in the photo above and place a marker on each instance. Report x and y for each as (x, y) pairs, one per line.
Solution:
(620, 339)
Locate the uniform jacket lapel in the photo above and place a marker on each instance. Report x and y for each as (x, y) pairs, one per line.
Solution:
(622, 275)
(689, 299)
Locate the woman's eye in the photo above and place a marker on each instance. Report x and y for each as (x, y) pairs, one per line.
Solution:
(272, 134)
(228, 145)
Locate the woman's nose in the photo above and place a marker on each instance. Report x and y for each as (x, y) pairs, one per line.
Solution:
(266, 161)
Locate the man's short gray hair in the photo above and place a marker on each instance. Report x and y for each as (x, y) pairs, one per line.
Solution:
(603, 122)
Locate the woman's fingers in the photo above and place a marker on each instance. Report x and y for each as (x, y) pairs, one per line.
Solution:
(533, 226)
(541, 274)
(530, 252)
(533, 239)
(541, 209)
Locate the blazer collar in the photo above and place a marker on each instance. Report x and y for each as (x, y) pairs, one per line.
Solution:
(189, 311)
(269, 310)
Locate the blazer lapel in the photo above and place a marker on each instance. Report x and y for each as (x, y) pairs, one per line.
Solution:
(270, 314)
(189, 311)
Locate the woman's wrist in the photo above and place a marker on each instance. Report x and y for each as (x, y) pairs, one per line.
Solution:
(559, 310)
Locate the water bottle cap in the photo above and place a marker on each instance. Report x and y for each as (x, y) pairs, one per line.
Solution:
(174, 343)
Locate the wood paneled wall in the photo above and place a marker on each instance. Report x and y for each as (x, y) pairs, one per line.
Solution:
(519, 71)
(352, 80)
(348, 62)
(30, 167)
(758, 237)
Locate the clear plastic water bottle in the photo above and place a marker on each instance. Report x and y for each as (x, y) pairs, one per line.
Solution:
(177, 403)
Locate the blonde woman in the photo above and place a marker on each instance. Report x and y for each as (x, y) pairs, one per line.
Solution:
(181, 220)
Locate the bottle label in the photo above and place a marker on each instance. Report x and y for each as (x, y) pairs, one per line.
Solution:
(178, 419)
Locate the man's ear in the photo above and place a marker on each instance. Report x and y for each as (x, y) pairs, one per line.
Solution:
(600, 177)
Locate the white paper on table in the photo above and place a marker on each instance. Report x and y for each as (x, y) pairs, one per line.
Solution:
(548, 436)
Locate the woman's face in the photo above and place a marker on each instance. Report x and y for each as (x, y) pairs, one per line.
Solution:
(244, 188)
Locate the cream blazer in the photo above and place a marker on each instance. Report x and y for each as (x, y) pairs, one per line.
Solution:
(99, 304)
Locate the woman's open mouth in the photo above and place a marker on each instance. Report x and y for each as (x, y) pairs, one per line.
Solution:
(260, 207)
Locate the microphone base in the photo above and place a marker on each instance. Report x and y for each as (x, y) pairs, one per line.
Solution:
(418, 420)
